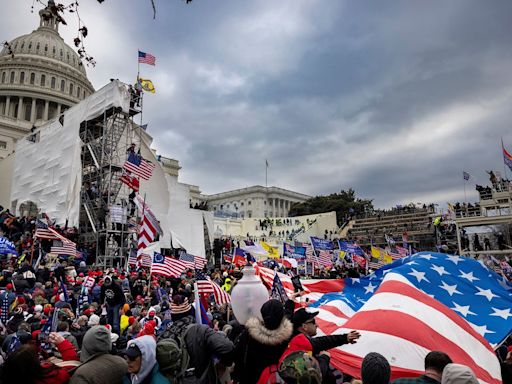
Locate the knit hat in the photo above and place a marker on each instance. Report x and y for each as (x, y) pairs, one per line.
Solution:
(38, 308)
(93, 320)
(300, 367)
(458, 374)
(375, 369)
(272, 313)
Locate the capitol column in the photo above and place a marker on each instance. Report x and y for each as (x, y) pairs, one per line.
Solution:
(58, 109)
(20, 108)
(33, 111)
(46, 107)
(7, 105)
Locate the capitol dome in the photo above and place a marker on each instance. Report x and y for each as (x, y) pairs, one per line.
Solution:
(40, 77)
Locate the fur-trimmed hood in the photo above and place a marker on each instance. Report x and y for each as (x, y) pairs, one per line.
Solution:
(265, 336)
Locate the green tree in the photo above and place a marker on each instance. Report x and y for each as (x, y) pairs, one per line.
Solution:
(340, 202)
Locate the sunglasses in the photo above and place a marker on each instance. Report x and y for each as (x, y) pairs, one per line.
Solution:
(310, 322)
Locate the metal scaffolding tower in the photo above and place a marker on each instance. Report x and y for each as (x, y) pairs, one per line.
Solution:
(104, 198)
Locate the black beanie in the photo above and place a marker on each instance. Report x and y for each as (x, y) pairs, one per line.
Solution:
(375, 369)
(272, 313)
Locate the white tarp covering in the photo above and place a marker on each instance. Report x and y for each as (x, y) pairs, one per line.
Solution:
(48, 172)
(169, 201)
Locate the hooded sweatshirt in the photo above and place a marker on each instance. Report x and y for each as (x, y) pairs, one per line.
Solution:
(147, 346)
(96, 342)
(458, 374)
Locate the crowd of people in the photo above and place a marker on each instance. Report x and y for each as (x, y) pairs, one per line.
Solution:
(70, 322)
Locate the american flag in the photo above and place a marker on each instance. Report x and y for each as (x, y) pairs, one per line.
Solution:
(167, 266)
(64, 249)
(196, 262)
(432, 327)
(453, 303)
(324, 258)
(65, 246)
(207, 287)
(143, 260)
(138, 166)
(146, 58)
(375, 265)
(309, 249)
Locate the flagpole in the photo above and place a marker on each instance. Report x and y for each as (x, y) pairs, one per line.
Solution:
(266, 173)
(503, 155)
(465, 198)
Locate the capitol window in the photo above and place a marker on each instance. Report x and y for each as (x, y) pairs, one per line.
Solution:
(37, 47)
(43, 80)
(46, 48)
(71, 89)
(12, 77)
(32, 78)
(61, 53)
(78, 92)
(3, 145)
(29, 46)
(22, 77)
(54, 50)
(62, 85)
(3, 77)
(53, 83)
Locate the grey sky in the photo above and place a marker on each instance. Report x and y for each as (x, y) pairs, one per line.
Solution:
(391, 98)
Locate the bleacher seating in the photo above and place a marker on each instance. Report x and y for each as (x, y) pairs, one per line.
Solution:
(416, 223)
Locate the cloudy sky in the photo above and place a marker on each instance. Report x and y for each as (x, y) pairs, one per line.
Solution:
(391, 98)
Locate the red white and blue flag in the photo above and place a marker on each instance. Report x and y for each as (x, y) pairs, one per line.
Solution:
(507, 157)
(139, 167)
(167, 266)
(431, 326)
(458, 304)
(195, 262)
(146, 58)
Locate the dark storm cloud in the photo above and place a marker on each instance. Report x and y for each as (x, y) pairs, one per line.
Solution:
(391, 98)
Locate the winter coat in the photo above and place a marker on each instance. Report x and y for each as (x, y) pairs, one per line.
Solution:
(60, 374)
(203, 343)
(98, 366)
(148, 372)
(258, 347)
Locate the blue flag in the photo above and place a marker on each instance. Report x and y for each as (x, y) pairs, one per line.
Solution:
(476, 293)
(321, 244)
(7, 247)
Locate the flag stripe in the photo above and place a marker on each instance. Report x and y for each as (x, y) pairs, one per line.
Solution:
(430, 326)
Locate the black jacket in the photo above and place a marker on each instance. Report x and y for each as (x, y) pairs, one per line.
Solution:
(258, 347)
(113, 294)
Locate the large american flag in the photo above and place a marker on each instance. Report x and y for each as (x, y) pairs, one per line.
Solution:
(138, 166)
(452, 303)
(196, 262)
(64, 247)
(146, 58)
(205, 286)
(167, 266)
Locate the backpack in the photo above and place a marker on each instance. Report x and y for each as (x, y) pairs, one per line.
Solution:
(173, 358)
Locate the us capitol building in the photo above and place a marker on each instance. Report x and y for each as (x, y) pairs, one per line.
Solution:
(40, 77)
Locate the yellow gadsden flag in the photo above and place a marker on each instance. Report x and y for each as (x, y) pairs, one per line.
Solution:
(272, 251)
(382, 255)
(147, 85)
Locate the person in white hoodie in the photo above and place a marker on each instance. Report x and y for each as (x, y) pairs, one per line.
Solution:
(142, 366)
(458, 374)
